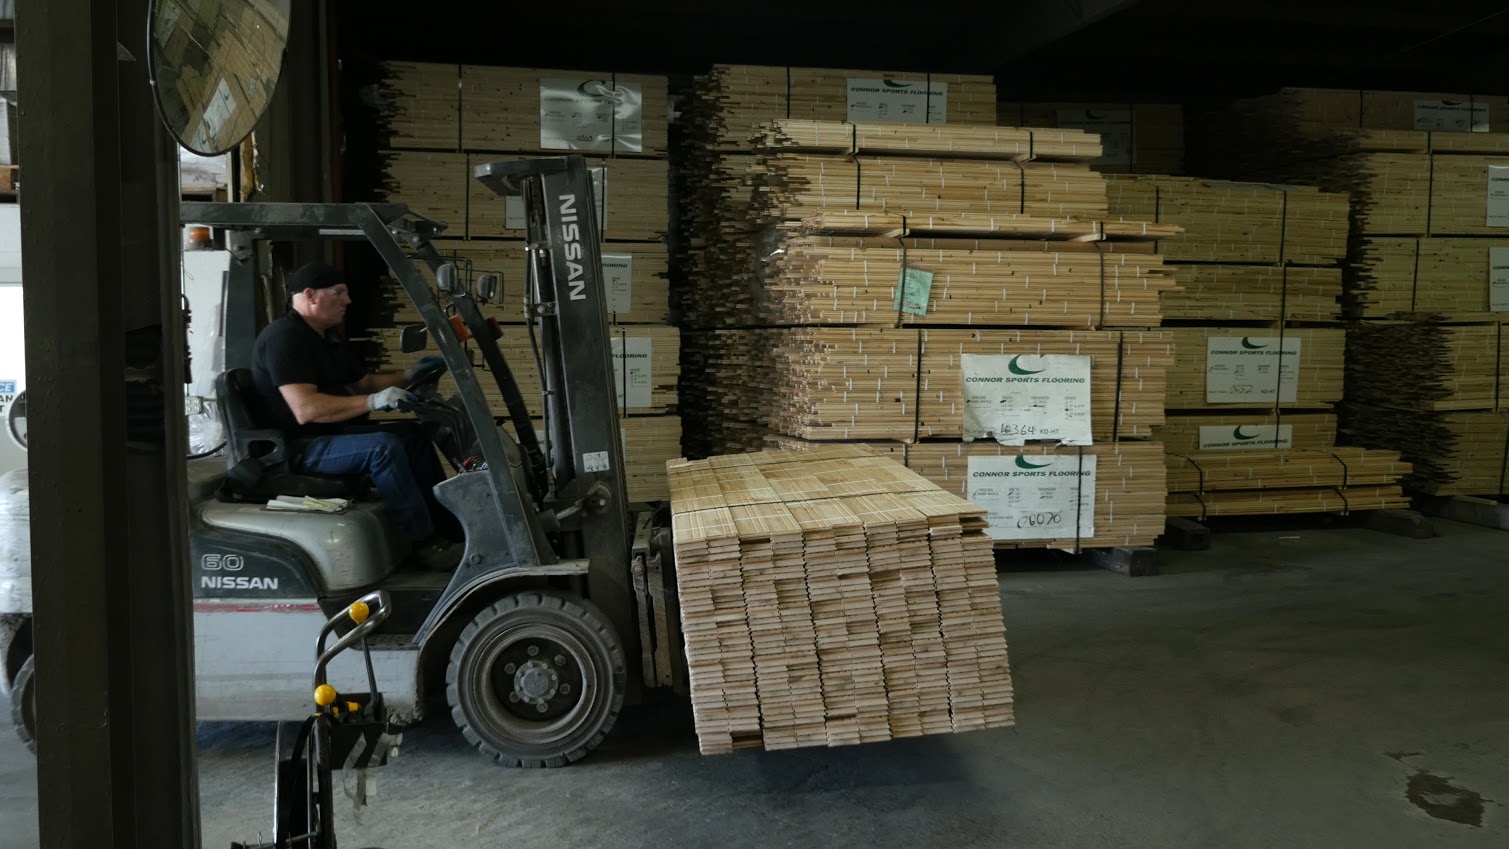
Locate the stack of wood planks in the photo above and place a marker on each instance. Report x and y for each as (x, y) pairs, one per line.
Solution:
(1260, 361)
(1439, 393)
(1138, 138)
(438, 122)
(1429, 264)
(1249, 252)
(832, 597)
(934, 291)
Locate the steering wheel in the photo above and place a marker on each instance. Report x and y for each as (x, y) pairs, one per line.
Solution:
(426, 384)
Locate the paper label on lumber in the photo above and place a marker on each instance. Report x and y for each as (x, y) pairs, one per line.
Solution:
(1035, 496)
(1027, 397)
(913, 291)
(632, 377)
(618, 269)
(1498, 196)
(586, 114)
(1114, 127)
(898, 101)
(513, 205)
(1251, 369)
(1498, 279)
(1452, 115)
(1243, 437)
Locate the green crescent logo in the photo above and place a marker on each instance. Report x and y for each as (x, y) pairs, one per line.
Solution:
(1093, 115)
(894, 84)
(600, 85)
(1239, 435)
(1250, 345)
(1016, 369)
(1022, 463)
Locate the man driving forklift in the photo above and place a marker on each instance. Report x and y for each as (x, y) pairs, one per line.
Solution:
(314, 387)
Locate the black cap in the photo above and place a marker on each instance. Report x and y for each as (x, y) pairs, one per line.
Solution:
(315, 275)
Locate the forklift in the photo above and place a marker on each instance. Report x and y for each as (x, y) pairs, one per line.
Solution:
(562, 607)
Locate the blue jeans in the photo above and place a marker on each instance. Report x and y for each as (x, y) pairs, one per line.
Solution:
(397, 456)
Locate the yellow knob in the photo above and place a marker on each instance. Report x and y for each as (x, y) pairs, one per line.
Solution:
(359, 612)
(324, 695)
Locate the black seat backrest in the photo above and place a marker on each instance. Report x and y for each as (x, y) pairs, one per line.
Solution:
(257, 458)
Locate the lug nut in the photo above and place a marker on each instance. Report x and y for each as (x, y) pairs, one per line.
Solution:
(541, 707)
(560, 660)
(513, 697)
(533, 650)
(510, 669)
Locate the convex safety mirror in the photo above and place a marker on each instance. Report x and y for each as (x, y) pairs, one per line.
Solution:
(214, 66)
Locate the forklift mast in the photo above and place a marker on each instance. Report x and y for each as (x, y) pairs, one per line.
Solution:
(568, 310)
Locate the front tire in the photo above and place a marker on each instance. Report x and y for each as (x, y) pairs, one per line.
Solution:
(536, 679)
(23, 707)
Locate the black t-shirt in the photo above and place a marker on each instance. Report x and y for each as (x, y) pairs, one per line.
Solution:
(290, 351)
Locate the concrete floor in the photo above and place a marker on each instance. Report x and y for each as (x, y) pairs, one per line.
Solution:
(1329, 688)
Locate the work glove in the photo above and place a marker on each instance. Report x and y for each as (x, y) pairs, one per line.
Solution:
(390, 399)
(426, 366)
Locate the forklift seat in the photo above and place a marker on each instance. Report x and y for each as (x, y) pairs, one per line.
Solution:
(256, 458)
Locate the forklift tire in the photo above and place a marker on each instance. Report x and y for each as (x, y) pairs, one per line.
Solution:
(23, 707)
(536, 679)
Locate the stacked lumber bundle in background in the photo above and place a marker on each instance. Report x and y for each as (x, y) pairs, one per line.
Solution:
(911, 287)
(832, 597)
(1428, 175)
(438, 122)
(1137, 138)
(1259, 266)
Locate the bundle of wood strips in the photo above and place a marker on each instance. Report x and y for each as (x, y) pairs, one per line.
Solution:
(1254, 482)
(1189, 432)
(833, 384)
(729, 102)
(1452, 453)
(1428, 367)
(832, 597)
(1446, 279)
(1138, 138)
(1220, 368)
(432, 106)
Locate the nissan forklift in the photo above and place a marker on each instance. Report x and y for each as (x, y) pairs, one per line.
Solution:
(562, 607)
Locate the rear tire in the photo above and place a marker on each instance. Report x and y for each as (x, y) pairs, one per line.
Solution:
(536, 679)
(23, 706)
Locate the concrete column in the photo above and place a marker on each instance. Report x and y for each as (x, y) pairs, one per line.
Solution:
(113, 647)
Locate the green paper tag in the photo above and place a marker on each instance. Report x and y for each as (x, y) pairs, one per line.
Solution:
(913, 291)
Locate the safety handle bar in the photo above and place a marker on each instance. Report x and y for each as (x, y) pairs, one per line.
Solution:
(367, 619)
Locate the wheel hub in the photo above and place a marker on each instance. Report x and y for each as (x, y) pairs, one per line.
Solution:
(536, 682)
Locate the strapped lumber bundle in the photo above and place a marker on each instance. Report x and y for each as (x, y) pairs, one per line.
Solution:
(1428, 174)
(836, 384)
(433, 106)
(1437, 393)
(1267, 481)
(1138, 138)
(1196, 431)
(1249, 251)
(731, 100)
(1123, 508)
(917, 284)
(1430, 278)
(832, 597)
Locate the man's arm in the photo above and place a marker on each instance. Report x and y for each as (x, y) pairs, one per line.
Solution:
(310, 406)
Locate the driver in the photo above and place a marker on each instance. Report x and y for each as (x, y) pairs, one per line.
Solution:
(312, 385)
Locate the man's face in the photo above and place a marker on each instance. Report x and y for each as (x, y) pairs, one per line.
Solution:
(329, 305)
